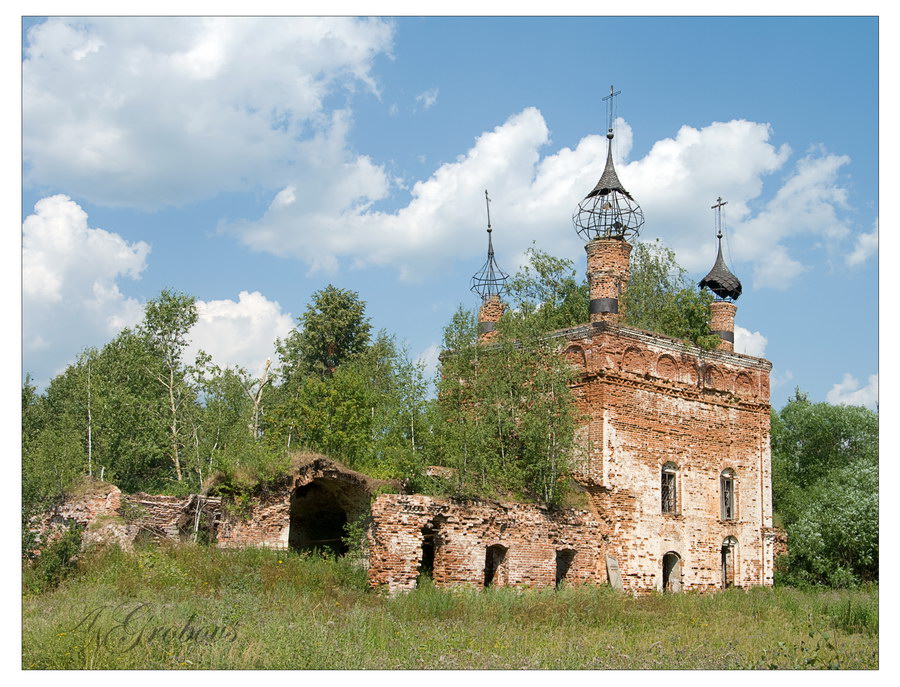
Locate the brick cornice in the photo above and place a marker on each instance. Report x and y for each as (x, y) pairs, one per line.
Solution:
(710, 396)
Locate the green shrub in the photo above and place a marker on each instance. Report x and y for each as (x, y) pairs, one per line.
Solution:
(54, 562)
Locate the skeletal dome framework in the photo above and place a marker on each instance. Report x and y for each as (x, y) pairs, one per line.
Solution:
(490, 281)
(608, 210)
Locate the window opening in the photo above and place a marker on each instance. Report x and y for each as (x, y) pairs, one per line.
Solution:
(729, 547)
(426, 562)
(668, 489)
(728, 495)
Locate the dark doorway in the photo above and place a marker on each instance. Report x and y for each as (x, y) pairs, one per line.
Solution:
(564, 558)
(318, 518)
(728, 551)
(426, 564)
(671, 572)
(493, 559)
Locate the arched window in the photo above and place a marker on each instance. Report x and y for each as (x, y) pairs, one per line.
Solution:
(729, 554)
(669, 488)
(726, 498)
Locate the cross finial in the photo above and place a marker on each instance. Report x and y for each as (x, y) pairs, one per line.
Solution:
(610, 101)
(718, 208)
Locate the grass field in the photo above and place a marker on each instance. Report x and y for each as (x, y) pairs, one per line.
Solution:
(196, 607)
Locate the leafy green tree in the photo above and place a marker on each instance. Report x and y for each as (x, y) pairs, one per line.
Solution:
(825, 489)
(167, 321)
(547, 292)
(660, 298)
(333, 329)
(505, 417)
(366, 413)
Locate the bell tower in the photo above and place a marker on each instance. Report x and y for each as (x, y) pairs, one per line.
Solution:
(726, 287)
(606, 218)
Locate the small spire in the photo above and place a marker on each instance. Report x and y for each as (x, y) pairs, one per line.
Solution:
(720, 280)
(608, 210)
(490, 280)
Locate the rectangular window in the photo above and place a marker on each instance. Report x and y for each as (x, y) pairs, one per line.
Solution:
(727, 498)
(668, 492)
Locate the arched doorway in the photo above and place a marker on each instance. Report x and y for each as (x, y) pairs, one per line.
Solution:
(429, 546)
(729, 555)
(671, 572)
(564, 558)
(319, 513)
(493, 561)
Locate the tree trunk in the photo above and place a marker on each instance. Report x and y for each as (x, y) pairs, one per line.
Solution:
(173, 427)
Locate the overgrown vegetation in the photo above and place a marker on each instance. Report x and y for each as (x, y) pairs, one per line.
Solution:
(208, 608)
(136, 414)
(825, 485)
(504, 416)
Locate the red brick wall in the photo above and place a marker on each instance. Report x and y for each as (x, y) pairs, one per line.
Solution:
(652, 400)
(491, 311)
(721, 319)
(608, 270)
(463, 531)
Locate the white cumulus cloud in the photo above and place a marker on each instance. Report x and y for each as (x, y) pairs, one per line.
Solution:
(152, 111)
(70, 292)
(847, 392)
(749, 343)
(71, 297)
(241, 332)
(534, 193)
(865, 247)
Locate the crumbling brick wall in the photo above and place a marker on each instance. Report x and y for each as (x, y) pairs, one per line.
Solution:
(532, 536)
(266, 522)
(650, 401)
(167, 516)
(109, 516)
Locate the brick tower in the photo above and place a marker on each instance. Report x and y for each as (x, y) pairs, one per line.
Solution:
(489, 283)
(605, 219)
(727, 288)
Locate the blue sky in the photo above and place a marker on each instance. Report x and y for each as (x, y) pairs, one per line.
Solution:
(251, 162)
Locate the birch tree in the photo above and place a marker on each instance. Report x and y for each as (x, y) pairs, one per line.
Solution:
(167, 321)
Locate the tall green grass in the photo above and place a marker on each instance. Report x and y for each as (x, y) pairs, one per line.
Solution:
(293, 611)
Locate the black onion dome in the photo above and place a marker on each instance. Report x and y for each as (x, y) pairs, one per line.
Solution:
(608, 210)
(720, 280)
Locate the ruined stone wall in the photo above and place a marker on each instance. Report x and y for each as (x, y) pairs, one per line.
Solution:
(109, 516)
(652, 401)
(166, 515)
(531, 534)
(99, 499)
(265, 523)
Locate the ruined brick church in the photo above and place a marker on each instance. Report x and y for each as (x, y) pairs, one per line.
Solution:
(674, 460)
